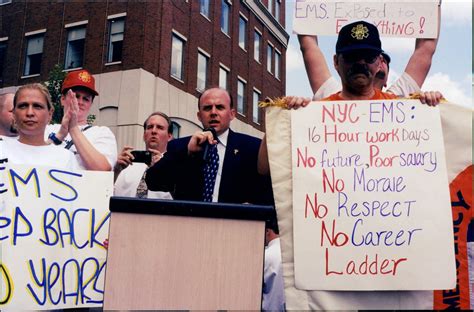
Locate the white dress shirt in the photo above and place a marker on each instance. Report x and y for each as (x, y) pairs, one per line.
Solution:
(221, 152)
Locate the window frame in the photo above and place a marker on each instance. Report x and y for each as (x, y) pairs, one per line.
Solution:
(207, 5)
(28, 60)
(270, 52)
(183, 40)
(277, 10)
(109, 57)
(277, 65)
(67, 55)
(223, 68)
(245, 21)
(244, 84)
(3, 46)
(229, 16)
(206, 56)
(259, 33)
(255, 108)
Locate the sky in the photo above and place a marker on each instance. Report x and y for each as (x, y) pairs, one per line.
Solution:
(451, 70)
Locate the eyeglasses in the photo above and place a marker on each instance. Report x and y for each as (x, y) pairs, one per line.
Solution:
(368, 58)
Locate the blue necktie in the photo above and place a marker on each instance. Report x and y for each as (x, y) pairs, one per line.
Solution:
(210, 172)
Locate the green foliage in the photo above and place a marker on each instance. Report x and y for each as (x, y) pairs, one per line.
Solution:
(90, 119)
(54, 82)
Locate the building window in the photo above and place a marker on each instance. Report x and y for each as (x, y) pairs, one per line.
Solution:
(203, 61)
(223, 77)
(255, 108)
(242, 32)
(76, 39)
(176, 127)
(269, 58)
(177, 57)
(3, 57)
(225, 14)
(277, 10)
(256, 46)
(116, 29)
(241, 97)
(270, 6)
(204, 7)
(34, 53)
(277, 64)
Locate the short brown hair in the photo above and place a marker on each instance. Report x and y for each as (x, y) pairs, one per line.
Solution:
(168, 120)
(34, 86)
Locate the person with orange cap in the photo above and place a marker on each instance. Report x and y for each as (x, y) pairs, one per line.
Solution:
(95, 146)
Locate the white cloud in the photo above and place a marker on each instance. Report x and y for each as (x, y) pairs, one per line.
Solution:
(398, 45)
(294, 60)
(456, 12)
(451, 89)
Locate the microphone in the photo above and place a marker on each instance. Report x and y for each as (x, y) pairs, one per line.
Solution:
(207, 146)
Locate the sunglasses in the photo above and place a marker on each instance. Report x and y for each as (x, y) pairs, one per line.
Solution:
(369, 58)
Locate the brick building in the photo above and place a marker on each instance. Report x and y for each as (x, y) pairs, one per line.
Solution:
(151, 55)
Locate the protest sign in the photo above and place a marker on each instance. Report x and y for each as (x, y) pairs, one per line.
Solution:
(402, 18)
(456, 125)
(363, 219)
(52, 225)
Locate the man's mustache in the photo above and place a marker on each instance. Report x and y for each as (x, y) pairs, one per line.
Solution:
(359, 69)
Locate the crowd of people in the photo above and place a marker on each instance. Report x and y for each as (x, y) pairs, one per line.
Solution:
(216, 164)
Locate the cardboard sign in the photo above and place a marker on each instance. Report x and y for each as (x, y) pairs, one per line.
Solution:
(52, 226)
(412, 19)
(365, 216)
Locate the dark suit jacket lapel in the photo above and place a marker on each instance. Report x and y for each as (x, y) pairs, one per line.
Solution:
(231, 163)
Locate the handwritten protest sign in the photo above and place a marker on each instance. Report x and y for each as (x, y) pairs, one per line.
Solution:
(52, 225)
(401, 18)
(364, 215)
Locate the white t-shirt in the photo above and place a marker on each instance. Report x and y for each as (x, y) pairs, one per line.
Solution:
(128, 180)
(273, 285)
(44, 155)
(403, 87)
(100, 137)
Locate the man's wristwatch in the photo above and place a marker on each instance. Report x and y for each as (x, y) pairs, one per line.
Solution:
(52, 136)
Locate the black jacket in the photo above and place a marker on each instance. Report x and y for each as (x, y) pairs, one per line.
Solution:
(181, 174)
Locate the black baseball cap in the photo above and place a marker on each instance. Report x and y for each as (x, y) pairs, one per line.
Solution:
(358, 36)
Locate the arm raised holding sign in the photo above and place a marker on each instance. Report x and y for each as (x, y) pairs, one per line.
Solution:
(416, 71)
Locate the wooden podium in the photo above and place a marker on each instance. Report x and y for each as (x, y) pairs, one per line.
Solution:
(174, 255)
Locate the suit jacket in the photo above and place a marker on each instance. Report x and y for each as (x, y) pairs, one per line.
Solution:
(182, 174)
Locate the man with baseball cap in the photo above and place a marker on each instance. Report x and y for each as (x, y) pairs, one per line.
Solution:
(94, 146)
(358, 58)
(410, 81)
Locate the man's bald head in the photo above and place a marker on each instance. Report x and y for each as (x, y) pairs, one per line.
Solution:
(6, 115)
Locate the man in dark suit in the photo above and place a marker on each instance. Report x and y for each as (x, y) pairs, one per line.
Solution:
(181, 171)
